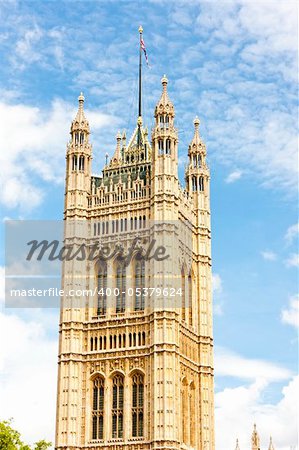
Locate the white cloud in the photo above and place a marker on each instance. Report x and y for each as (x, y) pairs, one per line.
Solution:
(28, 371)
(216, 282)
(34, 149)
(269, 256)
(290, 315)
(231, 364)
(25, 52)
(236, 409)
(233, 176)
(293, 260)
(217, 289)
(291, 233)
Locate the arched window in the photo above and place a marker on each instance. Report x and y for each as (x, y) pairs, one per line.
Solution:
(166, 121)
(167, 147)
(117, 406)
(121, 285)
(98, 409)
(200, 184)
(137, 404)
(192, 415)
(102, 288)
(139, 284)
(194, 161)
(183, 285)
(76, 137)
(81, 138)
(194, 184)
(184, 414)
(161, 146)
(74, 162)
(81, 162)
(190, 283)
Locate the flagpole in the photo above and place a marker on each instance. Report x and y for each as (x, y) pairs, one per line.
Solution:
(140, 66)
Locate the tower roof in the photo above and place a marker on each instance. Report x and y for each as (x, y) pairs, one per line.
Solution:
(271, 446)
(164, 105)
(255, 439)
(197, 145)
(80, 123)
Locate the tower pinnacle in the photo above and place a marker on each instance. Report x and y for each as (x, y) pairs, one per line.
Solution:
(255, 439)
(271, 446)
(80, 123)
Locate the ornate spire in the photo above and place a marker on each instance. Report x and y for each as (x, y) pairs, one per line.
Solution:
(164, 105)
(197, 145)
(80, 123)
(237, 445)
(117, 154)
(255, 439)
(271, 446)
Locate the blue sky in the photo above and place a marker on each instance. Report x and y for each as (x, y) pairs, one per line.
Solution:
(234, 65)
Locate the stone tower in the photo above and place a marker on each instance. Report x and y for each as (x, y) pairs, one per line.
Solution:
(135, 363)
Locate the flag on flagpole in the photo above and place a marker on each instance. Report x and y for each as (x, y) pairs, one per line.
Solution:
(142, 44)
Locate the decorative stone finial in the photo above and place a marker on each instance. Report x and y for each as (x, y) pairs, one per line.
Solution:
(271, 446)
(81, 97)
(139, 121)
(118, 136)
(140, 29)
(164, 81)
(196, 123)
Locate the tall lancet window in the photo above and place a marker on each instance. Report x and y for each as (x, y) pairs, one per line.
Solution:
(166, 121)
(137, 405)
(117, 406)
(161, 146)
(139, 284)
(81, 162)
(98, 409)
(168, 144)
(102, 288)
(121, 286)
(190, 287)
(192, 415)
(201, 184)
(183, 285)
(185, 412)
(74, 162)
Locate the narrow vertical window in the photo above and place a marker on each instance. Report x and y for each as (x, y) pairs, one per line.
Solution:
(192, 415)
(98, 409)
(200, 184)
(81, 163)
(137, 405)
(161, 147)
(74, 162)
(102, 288)
(167, 147)
(166, 121)
(185, 412)
(183, 285)
(121, 285)
(118, 406)
(190, 286)
(139, 284)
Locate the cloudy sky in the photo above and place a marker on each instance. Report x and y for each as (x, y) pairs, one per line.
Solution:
(234, 65)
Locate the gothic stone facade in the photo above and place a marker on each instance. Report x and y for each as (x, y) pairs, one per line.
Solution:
(136, 374)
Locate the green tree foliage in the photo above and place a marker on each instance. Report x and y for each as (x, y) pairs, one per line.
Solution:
(10, 439)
